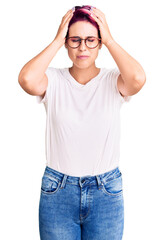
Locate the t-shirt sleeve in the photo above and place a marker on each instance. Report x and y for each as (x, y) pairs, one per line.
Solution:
(50, 75)
(114, 74)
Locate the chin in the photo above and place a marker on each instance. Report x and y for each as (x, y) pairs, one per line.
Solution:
(83, 64)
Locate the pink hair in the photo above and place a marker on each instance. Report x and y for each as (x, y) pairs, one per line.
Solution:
(80, 14)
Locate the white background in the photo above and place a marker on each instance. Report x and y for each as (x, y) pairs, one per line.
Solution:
(27, 27)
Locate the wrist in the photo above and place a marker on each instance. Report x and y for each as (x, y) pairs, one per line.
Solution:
(110, 42)
(58, 42)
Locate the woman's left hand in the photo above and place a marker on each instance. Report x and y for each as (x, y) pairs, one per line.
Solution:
(99, 17)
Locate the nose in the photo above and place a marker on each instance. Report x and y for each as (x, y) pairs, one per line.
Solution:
(82, 45)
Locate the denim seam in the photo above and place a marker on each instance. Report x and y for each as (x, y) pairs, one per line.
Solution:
(51, 193)
(112, 194)
(88, 207)
(115, 177)
(85, 184)
(102, 180)
(49, 175)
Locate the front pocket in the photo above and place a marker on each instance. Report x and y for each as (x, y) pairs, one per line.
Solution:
(50, 185)
(113, 187)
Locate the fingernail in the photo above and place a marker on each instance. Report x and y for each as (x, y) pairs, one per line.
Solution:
(73, 9)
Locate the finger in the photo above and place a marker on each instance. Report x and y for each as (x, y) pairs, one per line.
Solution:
(69, 11)
(96, 18)
(99, 15)
(90, 12)
(98, 10)
(68, 17)
(95, 10)
(86, 10)
(99, 19)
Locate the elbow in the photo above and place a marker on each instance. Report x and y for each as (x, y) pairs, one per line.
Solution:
(140, 77)
(139, 83)
(140, 80)
(21, 77)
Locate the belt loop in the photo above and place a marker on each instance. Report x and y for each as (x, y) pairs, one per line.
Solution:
(100, 183)
(63, 181)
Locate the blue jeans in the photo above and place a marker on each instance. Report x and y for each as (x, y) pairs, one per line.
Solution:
(87, 208)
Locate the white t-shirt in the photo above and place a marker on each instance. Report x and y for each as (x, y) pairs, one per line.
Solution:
(83, 122)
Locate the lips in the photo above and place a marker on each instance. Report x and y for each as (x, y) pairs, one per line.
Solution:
(82, 56)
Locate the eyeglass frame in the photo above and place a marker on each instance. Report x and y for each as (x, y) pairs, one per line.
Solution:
(84, 41)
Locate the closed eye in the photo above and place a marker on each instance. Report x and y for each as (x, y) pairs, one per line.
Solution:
(75, 39)
(91, 39)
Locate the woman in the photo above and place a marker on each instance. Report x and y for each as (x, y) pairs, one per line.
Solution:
(81, 190)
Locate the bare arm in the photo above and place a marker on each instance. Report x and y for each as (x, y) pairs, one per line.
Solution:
(33, 72)
(132, 77)
(32, 77)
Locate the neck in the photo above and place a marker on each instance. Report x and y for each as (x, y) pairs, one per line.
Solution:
(83, 75)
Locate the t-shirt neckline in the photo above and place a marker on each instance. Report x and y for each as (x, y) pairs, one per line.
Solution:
(80, 85)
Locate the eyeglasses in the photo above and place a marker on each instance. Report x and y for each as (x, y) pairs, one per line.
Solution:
(90, 42)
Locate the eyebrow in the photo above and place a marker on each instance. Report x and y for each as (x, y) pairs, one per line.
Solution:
(85, 37)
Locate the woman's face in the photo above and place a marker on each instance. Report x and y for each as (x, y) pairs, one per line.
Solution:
(83, 29)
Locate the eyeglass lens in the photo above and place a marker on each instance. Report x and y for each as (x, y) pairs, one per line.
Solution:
(74, 42)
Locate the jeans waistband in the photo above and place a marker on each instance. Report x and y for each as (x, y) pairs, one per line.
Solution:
(84, 180)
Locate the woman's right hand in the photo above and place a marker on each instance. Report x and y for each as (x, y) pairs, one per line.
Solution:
(63, 28)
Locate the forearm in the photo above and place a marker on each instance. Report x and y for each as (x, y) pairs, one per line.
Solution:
(130, 69)
(34, 69)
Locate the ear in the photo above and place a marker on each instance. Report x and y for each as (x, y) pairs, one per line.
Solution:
(65, 45)
(100, 46)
